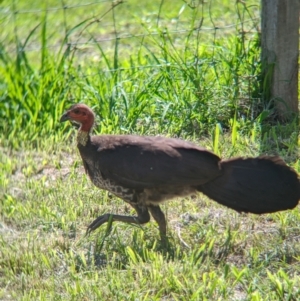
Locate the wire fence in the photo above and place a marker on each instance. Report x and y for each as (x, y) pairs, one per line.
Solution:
(86, 25)
(171, 58)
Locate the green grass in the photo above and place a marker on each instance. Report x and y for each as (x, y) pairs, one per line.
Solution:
(174, 79)
(199, 85)
(214, 253)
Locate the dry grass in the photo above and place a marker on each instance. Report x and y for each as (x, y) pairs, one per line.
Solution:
(47, 203)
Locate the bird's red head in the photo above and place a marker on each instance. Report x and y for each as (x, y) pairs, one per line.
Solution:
(82, 114)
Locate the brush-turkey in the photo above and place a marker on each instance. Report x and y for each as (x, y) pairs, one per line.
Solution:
(145, 171)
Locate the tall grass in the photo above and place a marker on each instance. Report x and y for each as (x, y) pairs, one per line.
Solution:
(164, 87)
(198, 84)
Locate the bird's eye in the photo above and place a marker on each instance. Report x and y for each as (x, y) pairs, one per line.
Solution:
(76, 111)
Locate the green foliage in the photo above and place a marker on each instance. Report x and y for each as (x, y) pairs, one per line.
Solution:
(177, 96)
(167, 78)
(170, 85)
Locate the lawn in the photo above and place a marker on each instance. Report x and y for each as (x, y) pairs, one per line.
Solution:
(176, 68)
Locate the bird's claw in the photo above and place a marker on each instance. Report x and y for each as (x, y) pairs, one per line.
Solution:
(88, 231)
(96, 224)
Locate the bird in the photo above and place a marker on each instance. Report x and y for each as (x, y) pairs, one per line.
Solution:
(145, 171)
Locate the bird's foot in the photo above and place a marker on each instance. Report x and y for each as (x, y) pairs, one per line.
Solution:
(100, 220)
(164, 241)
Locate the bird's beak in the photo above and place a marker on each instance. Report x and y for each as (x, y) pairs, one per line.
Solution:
(64, 117)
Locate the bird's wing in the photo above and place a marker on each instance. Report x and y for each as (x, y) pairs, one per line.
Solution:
(144, 162)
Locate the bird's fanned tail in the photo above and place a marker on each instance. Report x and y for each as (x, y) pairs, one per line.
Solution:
(256, 185)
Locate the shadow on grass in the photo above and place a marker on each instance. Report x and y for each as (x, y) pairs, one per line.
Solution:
(115, 250)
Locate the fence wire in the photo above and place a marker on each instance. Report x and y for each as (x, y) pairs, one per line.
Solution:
(85, 25)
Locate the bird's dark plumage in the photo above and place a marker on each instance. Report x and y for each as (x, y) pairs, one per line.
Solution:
(145, 171)
(256, 185)
(146, 162)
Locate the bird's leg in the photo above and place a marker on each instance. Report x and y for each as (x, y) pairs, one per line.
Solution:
(141, 218)
(159, 217)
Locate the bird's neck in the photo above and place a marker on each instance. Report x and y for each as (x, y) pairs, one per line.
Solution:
(82, 137)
